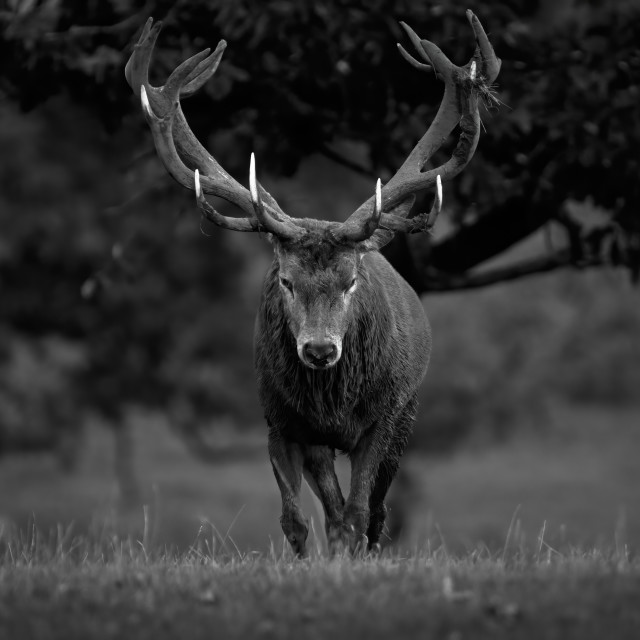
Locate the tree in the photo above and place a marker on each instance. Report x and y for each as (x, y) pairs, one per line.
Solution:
(297, 79)
(300, 78)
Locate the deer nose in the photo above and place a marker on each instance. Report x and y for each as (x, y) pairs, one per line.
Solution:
(319, 353)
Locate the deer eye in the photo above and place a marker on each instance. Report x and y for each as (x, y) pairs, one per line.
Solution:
(352, 285)
(287, 284)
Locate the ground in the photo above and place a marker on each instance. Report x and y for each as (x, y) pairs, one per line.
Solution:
(425, 596)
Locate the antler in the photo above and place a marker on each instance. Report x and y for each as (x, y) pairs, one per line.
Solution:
(182, 153)
(375, 221)
(459, 107)
(423, 222)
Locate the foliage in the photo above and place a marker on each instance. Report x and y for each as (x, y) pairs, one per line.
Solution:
(134, 338)
(299, 77)
(503, 356)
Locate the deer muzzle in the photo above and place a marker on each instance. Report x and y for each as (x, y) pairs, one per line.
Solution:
(321, 353)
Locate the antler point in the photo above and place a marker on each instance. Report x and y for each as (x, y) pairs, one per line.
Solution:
(196, 176)
(253, 187)
(144, 99)
(378, 209)
(155, 27)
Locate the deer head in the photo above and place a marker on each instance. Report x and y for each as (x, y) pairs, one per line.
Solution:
(318, 262)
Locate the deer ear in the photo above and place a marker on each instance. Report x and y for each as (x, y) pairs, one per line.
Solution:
(381, 237)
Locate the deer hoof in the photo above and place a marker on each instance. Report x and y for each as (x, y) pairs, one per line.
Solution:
(344, 540)
(298, 544)
(296, 530)
(360, 550)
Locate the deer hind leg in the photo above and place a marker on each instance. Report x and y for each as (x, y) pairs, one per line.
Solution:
(387, 471)
(319, 471)
(286, 460)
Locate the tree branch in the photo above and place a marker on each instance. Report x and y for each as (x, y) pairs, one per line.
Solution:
(437, 281)
(346, 162)
(493, 233)
(127, 24)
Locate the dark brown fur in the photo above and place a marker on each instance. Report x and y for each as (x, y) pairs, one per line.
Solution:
(364, 406)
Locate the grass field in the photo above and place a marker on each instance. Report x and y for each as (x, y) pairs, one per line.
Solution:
(118, 592)
(535, 538)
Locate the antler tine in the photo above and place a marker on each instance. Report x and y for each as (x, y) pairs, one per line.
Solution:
(177, 146)
(175, 83)
(490, 62)
(412, 61)
(283, 230)
(203, 71)
(459, 106)
(437, 205)
(136, 70)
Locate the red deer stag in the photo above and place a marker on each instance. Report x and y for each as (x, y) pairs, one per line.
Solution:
(341, 340)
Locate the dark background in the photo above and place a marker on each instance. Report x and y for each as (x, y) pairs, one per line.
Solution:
(126, 326)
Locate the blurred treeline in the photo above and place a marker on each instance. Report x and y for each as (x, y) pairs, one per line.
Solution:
(110, 297)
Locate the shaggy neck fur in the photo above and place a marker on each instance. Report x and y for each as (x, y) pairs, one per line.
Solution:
(324, 397)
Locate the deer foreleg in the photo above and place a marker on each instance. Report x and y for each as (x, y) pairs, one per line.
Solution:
(319, 471)
(365, 460)
(286, 460)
